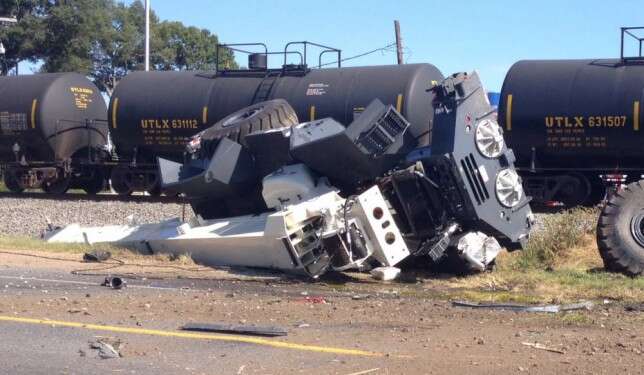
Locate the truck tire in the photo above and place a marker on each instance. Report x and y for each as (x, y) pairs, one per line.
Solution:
(271, 114)
(620, 231)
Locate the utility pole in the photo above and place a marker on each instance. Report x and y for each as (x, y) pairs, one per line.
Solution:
(399, 47)
(147, 35)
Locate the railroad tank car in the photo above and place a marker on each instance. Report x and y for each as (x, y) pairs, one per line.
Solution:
(158, 111)
(569, 121)
(50, 124)
(154, 113)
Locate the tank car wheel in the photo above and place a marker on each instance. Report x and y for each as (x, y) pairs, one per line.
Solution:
(597, 192)
(270, 114)
(12, 183)
(95, 184)
(120, 181)
(155, 190)
(57, 187)
(620, 231)
(574, 190)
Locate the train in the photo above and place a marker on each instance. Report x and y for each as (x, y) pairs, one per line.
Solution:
(574, 125)
(571, 123)
(53, 133)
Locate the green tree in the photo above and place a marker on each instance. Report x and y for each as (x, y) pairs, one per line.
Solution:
(103, 39)
(178, 47)
(22, 40)
(120, 49)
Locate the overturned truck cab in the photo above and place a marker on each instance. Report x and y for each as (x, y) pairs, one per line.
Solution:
(320, 196)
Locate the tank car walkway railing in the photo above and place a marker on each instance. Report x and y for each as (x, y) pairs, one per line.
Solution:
(632, 32)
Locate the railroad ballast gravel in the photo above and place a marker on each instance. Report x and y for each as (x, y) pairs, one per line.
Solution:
(28, 216)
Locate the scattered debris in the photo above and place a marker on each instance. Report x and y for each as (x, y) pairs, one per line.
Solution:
(313, 299)
(96, 256)
(358, 297)
(635, 307)
(238, 329)
(586, 305)
(106, 350)
(478, 249)
(114, 282)
(543, 347)
(385, 273)
(309, 214)
(365, 371)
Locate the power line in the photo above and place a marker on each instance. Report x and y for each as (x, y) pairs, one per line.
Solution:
(381, 49)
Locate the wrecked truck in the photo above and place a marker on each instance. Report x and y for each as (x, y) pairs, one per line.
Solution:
(317, 196)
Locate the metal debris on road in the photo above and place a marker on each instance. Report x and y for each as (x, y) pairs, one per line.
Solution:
(313, 299)
(238, 329)
(96, 256)
(586, 305)
(105, 349)
(114, 282)
(543, 347)
(365, 371)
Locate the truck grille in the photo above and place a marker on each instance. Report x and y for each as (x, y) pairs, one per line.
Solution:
(474, 179)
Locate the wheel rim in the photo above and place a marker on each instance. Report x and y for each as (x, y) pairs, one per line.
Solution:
(637, 228)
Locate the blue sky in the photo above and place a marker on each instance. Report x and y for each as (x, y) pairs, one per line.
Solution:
(453, 35)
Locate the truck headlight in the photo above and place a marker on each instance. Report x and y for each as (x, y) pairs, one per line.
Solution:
(508, 188)
(489, 138)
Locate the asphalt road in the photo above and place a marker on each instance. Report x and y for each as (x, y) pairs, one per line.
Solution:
(32, 344)
(49, 318)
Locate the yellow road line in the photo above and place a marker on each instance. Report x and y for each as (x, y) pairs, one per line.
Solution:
(636, 116)
(115, 107)
(198, 336)
(508, 113)
(399, 100)
(312, 113)
(34, 103)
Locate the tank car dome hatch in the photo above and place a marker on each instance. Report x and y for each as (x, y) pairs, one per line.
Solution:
(50, 116)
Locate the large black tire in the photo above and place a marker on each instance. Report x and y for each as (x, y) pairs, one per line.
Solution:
(271, 114)
(620, 231)
(11, 182)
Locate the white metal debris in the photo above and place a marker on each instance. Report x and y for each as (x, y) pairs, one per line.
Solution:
(478, 249)
(385, 273)
(313, 229)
